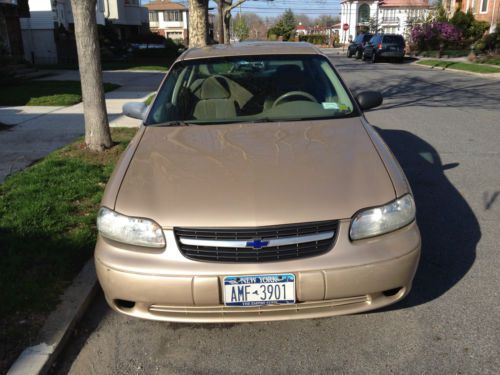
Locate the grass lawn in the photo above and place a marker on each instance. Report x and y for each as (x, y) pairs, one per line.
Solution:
(47, 232)
(41, 92)
(151, 64)
(493, 60)
(476, 68)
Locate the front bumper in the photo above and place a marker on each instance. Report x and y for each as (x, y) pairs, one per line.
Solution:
(350, 278)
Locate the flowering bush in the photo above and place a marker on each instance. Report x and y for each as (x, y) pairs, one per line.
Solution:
(433, 35)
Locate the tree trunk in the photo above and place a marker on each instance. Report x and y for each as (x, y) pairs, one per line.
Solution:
(198, 23)
(227, 27)
(220, 5)
(97, 133)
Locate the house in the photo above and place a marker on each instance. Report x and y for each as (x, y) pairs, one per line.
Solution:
(169, 19)
(11, 42)
(301, 29)
(483, 10)
(47, 29)
(127, 16)
(388, 16)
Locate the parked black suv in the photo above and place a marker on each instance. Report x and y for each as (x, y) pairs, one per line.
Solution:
(385, 45)
(358, 45)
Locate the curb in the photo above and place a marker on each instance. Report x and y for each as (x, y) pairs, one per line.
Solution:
(439, 68)
(54, 334)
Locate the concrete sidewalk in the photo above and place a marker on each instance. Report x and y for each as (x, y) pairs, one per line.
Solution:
(41, 130)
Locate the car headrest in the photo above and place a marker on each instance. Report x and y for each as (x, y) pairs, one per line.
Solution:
(214, 88)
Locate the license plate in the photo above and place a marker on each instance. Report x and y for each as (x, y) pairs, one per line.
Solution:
(259, 290)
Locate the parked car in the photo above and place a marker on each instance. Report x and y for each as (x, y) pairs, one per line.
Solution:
(385, 46)
(250, 196)
(357, 46)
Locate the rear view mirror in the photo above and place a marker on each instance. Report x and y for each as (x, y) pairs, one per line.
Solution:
(369, 99)
(135, 110)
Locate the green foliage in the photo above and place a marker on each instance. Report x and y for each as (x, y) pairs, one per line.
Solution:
(314, 39)
(471, 28)
(488, 43)
(47, 232)
(147, 38)
(462, 20)
(285, 26)
(476, 68)
(241, 29)
(441, 14)
(477, 29)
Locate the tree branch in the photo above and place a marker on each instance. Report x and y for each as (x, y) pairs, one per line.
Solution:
(232, 6)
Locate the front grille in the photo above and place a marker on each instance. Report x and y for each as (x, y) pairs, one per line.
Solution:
(217, 244)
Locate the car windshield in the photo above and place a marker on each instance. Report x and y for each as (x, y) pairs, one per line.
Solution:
(396, 39)
(250, 89)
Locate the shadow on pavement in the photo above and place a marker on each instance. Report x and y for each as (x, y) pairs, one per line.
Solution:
(450, 230)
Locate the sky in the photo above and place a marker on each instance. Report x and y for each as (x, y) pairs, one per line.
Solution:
(311, 8)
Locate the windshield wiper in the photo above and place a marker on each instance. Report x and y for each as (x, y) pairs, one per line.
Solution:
(172, 123)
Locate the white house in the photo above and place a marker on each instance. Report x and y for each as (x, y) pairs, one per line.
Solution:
(388, 16)
(39, 29)
(45, 44)
(128, 16)
(169, 19)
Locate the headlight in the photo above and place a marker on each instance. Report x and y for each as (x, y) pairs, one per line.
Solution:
(380, 220)
(129, 230)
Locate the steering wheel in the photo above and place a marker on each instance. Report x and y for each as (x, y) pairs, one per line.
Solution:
(294, 93)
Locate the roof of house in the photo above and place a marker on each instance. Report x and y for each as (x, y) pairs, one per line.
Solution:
(405, 3)
(164, 5)
(250, 49)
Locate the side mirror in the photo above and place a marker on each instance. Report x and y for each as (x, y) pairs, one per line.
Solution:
(135, 110)
(369, 99)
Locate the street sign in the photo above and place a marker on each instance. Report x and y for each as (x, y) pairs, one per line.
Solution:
(345, 26)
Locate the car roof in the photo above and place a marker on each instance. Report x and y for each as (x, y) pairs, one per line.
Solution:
(251, 49)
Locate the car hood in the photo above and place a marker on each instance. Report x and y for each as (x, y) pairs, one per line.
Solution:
(254, 174)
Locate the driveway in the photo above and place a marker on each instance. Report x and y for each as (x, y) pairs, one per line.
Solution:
(445, 129)
(41, 130)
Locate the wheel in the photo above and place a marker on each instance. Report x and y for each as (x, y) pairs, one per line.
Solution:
(374, 57)
(349, 54)
(363, 57)
(359, 55)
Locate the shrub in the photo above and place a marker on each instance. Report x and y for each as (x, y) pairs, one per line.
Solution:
(488, 43)
(435, 35)
(477, 29)
(314, 39)
(471, 28)
(147, 38)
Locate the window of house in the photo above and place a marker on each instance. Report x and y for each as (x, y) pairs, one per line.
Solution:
(153, 16)
(364, 13)
(172, 15)
(131, 2)
(484, 6)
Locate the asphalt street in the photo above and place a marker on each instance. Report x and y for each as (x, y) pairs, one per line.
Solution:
(445, 129)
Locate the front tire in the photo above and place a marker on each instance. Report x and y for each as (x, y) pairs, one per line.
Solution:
(359, 55)
(374, 58)
(349, 54)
